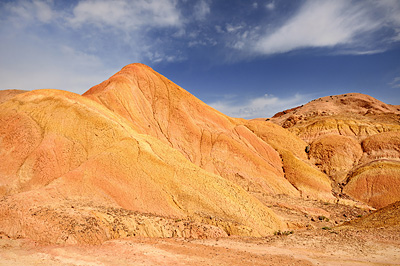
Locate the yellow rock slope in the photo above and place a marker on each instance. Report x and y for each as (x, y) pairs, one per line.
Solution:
(67, 158)
(217, 143)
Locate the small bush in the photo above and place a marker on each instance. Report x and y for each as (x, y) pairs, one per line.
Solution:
(323, 218)
(326, 228)
(283, 233)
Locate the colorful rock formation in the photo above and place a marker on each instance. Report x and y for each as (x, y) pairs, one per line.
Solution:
(355, 140)
(137, 155)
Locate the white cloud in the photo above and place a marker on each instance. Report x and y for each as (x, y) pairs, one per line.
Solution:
(348, 26)
(270, 6)
(395, 82)
(30, 63)
(44, 11)
(33, 56)
(392, 9)
(132, 26)
(263, 106)
(158, 57)
(201, 10)
(218, 28)
(75, 47)
(230, 28)
(24, 12)
(125, 14)
(47, 40)
(319, 24)
(362, 52)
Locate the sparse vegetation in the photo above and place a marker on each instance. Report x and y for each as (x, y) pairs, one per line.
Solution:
(283, 233)
(323, 218)
(307, 150)
(270, 162)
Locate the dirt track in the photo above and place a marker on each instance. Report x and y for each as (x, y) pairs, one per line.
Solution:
(312, 247)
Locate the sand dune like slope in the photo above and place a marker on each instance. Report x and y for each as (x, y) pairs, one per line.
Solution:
(217, 143)
(250, 153)
(67, 158)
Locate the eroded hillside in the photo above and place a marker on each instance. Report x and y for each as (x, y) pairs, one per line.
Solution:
(137, 155)
(354, 139)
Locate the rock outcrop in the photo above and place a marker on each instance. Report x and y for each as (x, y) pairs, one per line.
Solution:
(335, 155)
(355, 140)
(376, 183)
(354, 114)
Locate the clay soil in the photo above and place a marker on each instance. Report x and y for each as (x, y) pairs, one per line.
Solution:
(307, 247)
(344, 239)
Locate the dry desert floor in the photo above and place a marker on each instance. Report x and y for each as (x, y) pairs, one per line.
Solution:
(308, 247)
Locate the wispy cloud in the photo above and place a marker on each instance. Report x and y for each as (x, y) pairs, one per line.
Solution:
(233, 28)
(73, 47)
(395, 82)
(31, 63)
(201, 9)
(50, 40)
(318, 24)
(21, 13)
(270, 6)
(126, 15)
(263, 106)
(347, 26)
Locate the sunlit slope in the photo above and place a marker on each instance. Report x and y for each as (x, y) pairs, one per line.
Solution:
(217, 143)
(59, 149)
(306, 178)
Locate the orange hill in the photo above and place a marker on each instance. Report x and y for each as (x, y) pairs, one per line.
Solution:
(138, 155)
(231, 148)
(61, 150)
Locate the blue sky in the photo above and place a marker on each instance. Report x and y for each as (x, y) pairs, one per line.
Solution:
(245, 58)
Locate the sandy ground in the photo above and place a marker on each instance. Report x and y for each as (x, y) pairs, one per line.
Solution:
(310, 247)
